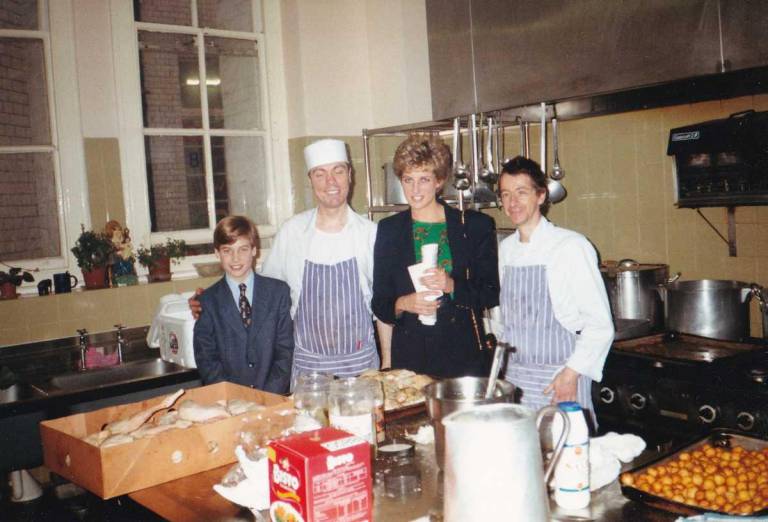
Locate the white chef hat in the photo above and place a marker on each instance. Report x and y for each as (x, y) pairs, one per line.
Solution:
(323, 152)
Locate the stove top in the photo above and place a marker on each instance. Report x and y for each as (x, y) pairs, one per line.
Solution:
(683, 347)
(674, 386)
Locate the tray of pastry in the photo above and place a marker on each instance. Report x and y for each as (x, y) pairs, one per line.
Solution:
(403, 391)
(725, 472)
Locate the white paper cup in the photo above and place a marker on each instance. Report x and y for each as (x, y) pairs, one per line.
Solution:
(429, 255)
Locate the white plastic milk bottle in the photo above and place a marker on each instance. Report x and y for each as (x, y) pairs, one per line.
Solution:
(571, 477)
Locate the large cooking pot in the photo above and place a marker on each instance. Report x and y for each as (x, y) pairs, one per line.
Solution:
(710, 308)
(632, 290)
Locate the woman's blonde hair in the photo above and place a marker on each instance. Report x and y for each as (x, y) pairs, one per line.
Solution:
(423, 151)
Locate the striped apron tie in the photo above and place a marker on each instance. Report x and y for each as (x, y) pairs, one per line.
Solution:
(543, 344)
(333, 329)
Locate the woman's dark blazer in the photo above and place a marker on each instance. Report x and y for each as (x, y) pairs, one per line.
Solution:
(474, 251)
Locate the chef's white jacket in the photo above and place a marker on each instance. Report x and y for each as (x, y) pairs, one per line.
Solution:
(290, 249)
(576, 290)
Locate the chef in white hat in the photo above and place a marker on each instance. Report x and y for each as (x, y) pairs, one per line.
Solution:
(326, 256)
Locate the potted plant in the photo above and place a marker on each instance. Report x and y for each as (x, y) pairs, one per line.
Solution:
(92, 251)
(11, 279)
(157, 258)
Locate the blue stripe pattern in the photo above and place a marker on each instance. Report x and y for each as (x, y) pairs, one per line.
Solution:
(333, 327)
(543, 344)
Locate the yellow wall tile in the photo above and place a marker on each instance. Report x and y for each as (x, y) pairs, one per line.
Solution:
(13, 335)
(12, 313)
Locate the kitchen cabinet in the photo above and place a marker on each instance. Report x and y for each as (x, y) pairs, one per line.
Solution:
(522, 53)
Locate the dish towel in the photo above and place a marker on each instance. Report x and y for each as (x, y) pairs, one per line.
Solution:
(606, 454)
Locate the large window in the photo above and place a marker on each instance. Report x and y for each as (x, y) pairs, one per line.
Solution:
(30, 225)
(204, 113)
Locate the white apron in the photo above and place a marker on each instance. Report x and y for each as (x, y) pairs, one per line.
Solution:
(333, 329)
(543, 344)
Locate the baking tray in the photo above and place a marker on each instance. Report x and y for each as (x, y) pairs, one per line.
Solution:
(718, 437)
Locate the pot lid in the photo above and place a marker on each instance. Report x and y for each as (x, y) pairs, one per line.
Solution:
(629, 265)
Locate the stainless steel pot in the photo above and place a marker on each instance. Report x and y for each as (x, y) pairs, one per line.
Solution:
(710, 308)
(395, 194)
(633, 291)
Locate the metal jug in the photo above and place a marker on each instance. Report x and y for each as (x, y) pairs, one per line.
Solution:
(493, 464)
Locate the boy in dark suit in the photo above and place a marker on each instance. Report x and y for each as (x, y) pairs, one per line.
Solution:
(245, 334)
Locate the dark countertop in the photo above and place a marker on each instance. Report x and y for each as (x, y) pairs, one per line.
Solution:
(47, 374)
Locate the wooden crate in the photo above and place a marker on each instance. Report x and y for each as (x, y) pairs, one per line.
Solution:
(117, 470)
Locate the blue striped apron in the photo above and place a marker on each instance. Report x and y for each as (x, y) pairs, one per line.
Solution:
(333, 329)
(543, 344)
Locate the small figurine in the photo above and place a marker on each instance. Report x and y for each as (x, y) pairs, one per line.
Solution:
(123, 271)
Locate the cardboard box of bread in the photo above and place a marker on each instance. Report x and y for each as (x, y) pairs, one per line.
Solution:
(120, 449)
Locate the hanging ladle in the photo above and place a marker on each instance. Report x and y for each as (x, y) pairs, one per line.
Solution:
(556, 189)
(557, 171)
(460, 170)
(488, 173)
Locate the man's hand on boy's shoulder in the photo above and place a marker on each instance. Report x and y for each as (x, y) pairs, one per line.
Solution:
(194, 304)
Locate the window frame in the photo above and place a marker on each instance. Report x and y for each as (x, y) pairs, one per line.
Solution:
(125, 31)
(56, 30)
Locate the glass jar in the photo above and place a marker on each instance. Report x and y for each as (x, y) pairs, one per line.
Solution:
(351, 407)
(377, 390)
(310, 395)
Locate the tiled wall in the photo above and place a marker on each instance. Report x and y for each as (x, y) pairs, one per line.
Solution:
(29, 319)
(105, 185)
(620, 193)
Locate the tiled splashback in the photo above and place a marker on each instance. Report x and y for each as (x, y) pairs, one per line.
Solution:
(30, 319)
(620, 192)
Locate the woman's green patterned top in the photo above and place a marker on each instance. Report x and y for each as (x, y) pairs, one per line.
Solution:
(426, 233)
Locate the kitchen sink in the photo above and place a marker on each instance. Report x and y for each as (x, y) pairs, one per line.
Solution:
(101, 377)
(19, 392)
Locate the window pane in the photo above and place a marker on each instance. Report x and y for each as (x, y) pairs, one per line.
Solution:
(234, 93)
(176, 181)
(240, 168)
(176, 12)
(18, 14)
(29, 223)
(233, 15)
(23, 93)
(170, 80)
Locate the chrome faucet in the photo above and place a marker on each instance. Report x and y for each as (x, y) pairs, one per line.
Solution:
(83, 347)
(120, 342)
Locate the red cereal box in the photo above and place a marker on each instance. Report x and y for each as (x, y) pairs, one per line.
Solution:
(318, 476)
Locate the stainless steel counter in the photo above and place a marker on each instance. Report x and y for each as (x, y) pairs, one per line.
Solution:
(608, 504)
(395, 503)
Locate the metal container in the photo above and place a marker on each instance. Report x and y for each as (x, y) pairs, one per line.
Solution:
(633, 291)
(493, 467)
(395, 194)
(461, 393)
(710, 308)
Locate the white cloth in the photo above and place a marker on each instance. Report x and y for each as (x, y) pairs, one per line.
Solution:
(606, 454)
(295, 242)
(576, 289)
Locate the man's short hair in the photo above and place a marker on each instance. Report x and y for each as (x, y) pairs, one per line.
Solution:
(522, 165)
(423, 151)
(231, 228)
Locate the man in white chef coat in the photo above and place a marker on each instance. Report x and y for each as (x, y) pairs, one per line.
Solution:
(326, 256)
(554, 307)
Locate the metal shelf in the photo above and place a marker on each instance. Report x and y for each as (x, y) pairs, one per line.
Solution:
(440, 127)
